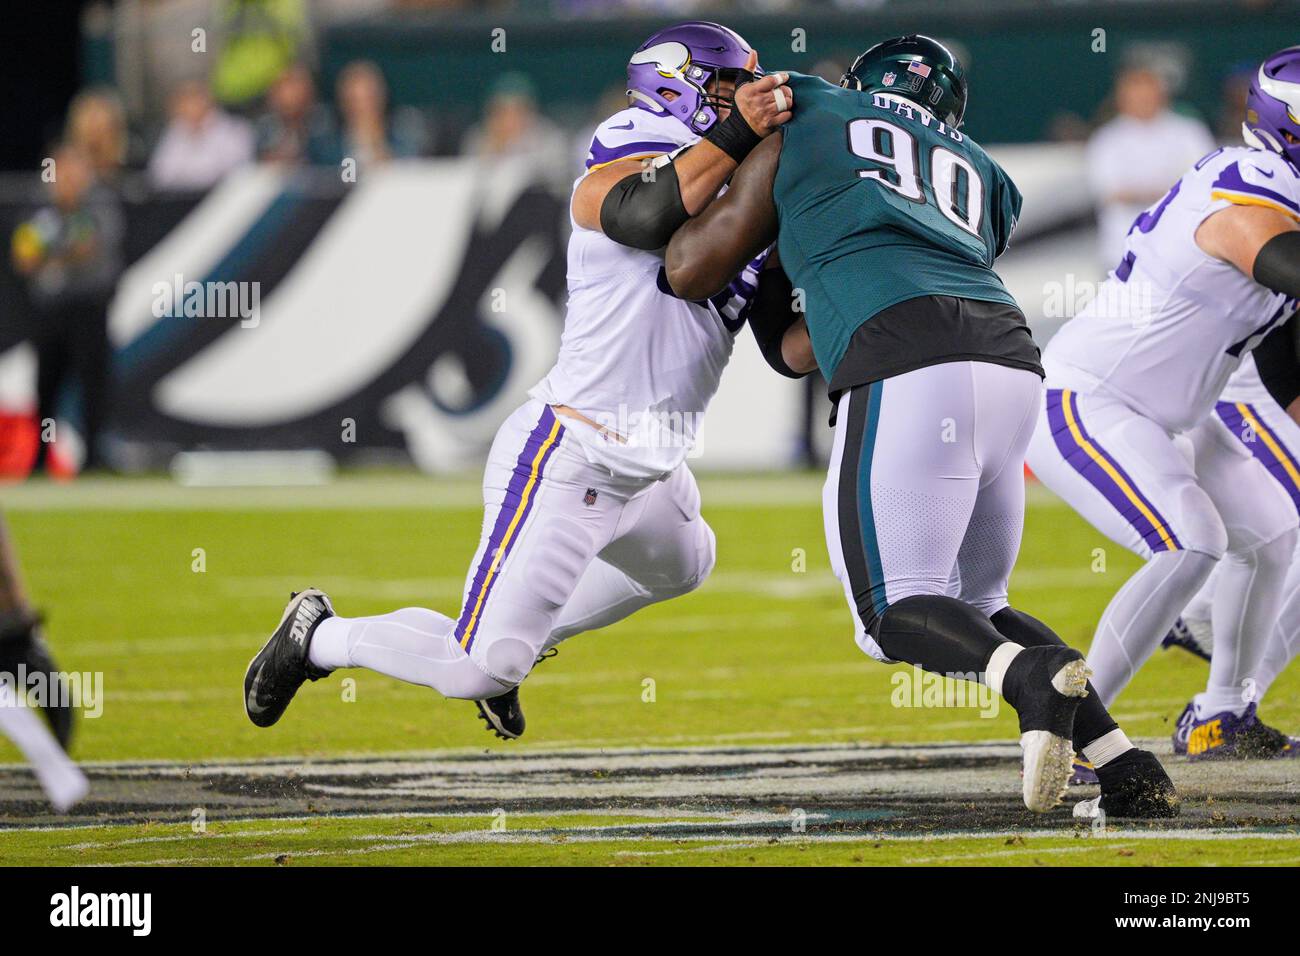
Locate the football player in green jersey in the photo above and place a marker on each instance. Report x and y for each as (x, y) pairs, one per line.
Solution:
(888, 218)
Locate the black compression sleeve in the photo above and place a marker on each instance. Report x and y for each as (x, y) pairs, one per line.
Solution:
(1278, 361)
(644, 212)
(1277, 264)
(770, 315)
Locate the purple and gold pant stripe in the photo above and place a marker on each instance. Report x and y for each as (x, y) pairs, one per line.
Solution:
(521, 492)
(1104, 473)
(1244, 421)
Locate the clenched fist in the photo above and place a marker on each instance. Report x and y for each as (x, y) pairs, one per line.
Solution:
(765, 103)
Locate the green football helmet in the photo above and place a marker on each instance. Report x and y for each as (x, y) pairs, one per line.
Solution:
(918, 69)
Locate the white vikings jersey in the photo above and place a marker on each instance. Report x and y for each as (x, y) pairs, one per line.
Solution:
(634, 357)
(1170, 323)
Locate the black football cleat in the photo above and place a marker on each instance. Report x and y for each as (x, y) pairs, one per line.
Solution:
(504, 714)
(1049, 682)
(23, 650)
(281, 666)
(1133, 785)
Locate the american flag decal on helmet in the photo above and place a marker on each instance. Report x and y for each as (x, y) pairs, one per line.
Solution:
(916, 66)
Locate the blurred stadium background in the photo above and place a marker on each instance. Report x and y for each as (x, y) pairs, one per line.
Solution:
(390, 177)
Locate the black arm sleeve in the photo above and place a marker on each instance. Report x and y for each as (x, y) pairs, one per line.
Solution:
(1278, 361)
(770, 315)
(644, 213)
(1277, 264)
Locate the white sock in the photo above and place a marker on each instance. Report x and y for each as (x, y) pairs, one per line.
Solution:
(996, 670)
(414, 644)
(603, 595)
(1284, 643)
(1107, 747)
(60, 778)
(1247, 599)
(1140, 615)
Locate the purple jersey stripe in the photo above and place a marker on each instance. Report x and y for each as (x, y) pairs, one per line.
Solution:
(1230, 179)
(1281, 467)
(1078, 457)
(600, 154)
(520, 479)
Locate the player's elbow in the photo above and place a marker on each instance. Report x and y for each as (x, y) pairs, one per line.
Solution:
(688, 276)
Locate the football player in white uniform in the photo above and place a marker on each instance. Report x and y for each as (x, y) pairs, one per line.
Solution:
(1267, 423)
(1128, 436)
(590, 509)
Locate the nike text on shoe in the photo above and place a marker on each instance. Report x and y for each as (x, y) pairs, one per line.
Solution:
(1045, 685)
(1133, 785)
(280, 667)
(1225, 736)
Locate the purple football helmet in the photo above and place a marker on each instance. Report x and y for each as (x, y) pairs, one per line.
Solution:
(685, 59)
(1273, 106)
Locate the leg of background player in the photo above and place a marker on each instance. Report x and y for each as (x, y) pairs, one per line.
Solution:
(1134, 484)
(1284, 643)
(1140, 614)
(59, 776)
(1261, 526)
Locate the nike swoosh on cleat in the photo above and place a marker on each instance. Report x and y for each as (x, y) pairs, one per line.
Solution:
(628, 126)
(253, 706)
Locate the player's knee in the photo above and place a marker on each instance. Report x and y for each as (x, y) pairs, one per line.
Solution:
(695, 568)
(1273, 556)
(1200, 528)
(508, 661)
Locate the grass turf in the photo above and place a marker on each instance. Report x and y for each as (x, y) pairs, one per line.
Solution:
(761, 654)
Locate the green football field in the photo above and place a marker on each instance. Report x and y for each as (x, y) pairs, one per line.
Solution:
(169, 591)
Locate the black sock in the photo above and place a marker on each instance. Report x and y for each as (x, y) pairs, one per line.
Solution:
(939, 634)
(1091, 721)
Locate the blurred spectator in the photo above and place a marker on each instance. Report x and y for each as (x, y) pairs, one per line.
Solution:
(296, 128)
(201, 142)
(1135, 157)
(368, 135)
(1232, 107)
(512, 126)
(97, 128)
(70, 254)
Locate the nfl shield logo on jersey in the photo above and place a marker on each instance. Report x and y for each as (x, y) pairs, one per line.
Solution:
(589, 498)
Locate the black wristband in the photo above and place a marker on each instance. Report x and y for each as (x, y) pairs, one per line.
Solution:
(1277, 264)
(734, 136)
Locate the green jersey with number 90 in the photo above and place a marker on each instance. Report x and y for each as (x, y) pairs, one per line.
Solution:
(879, 202)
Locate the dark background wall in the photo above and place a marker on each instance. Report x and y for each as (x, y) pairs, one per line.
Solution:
(1028, 61)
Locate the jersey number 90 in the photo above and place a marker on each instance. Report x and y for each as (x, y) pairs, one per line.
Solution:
(955, 187)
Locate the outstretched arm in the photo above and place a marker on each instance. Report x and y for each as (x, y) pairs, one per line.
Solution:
(707, 252)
